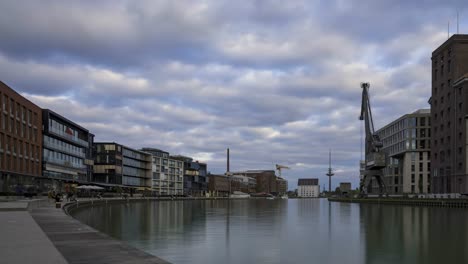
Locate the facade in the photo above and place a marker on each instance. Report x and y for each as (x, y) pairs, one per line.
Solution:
(282, 186)
(449, 108)
(406, 141)
(266, 180)
(20, 140)
(118, 165)
(67, 151)
(195, 178)
(308, 188)
(218, 185)
(247, 184)
(167, 173)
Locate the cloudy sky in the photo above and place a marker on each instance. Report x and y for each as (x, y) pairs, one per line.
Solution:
(276, 81)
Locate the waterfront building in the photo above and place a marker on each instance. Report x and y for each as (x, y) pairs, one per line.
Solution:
(118, 165)
(282, 186)
(195, 181)
(449, 111)
(247, 184)
(266, 180)
(218, 185)
(308, 187)
(20, 140)
(167, 173)
(406, 141)
(67, 151)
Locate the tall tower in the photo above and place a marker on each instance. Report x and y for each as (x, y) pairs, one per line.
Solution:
(449, 113)
(330, 172)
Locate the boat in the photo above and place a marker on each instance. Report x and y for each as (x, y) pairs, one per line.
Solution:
(284, 197)
(270, 198)
(239, 195)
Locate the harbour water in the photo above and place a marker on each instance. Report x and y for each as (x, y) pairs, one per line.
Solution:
(285, 231)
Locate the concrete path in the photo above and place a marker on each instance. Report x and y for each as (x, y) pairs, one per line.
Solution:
(23, 241)
(79, 243)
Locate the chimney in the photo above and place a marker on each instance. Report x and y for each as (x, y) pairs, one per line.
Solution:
(227, 160)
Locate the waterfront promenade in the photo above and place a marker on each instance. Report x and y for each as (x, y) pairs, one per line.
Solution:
(35, 231)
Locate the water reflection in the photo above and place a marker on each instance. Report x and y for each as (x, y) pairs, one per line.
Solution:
(285, 231)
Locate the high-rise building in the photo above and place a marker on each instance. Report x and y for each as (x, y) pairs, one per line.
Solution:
(20, 140)
(67, 151)
(308, 187)
(407, 144)
(118, 165)
(167, 173)
(449, 110)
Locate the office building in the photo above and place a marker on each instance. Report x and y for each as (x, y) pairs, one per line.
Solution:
(195, 181)
(407, 144)
(67, 151)
(449, 109)
(247, 184)
(118, 165)
(20, 140)
(167, 173)
(308, 188)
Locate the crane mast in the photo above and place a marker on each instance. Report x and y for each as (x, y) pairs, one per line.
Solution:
(375, 159)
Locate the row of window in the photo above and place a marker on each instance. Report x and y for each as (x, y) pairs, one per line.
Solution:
(63, 146)
(20, 129)
(17, 146)
(18, 110)
(19, 164)
(63, 159)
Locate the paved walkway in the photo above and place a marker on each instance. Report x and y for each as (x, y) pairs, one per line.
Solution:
(79, 243)
(23, 241)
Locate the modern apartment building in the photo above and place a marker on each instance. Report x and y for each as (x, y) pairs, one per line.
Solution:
(308, 188)
(67, 151)
(115, 164)
(449, 110)
(195, 181)
(167, 173)
(20, 140)
(407, 144)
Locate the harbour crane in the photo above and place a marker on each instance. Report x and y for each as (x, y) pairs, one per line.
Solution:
(280, 167)
(375, 158)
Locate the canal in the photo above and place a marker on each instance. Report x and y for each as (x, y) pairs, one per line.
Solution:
(285, 231)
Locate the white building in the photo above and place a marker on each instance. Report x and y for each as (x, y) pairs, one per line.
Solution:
(168, 174)
(308, 188)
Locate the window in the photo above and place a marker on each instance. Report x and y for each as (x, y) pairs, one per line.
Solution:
(449, 62)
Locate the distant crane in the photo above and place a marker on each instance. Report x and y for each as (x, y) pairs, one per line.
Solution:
(375, 159)
(280, 167)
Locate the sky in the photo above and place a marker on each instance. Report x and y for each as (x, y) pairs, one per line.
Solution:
(278, 82)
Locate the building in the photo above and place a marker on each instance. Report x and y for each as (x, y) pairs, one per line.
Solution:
(67, 151)
(218, 185)
(118, 165)
(167, 173)
(281, 186)
(20, 140)
(449, 110)
(345, 187)
(247, 184)
(308, 188)
(195, 181)
(266, 180)
(407, 144)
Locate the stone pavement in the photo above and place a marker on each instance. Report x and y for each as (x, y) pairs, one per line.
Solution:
(23, 241)
(79, 243)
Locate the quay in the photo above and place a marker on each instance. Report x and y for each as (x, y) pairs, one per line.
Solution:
(452, 203)
(34, 231)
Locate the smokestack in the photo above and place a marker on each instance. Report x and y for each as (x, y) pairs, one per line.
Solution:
(227, 160)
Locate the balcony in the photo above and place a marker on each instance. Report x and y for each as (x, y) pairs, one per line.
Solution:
(49, 144)
(68, 136)
(65, 163)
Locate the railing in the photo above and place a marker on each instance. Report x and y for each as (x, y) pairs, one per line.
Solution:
(64, 163)
(47, 143)
(68, 136)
